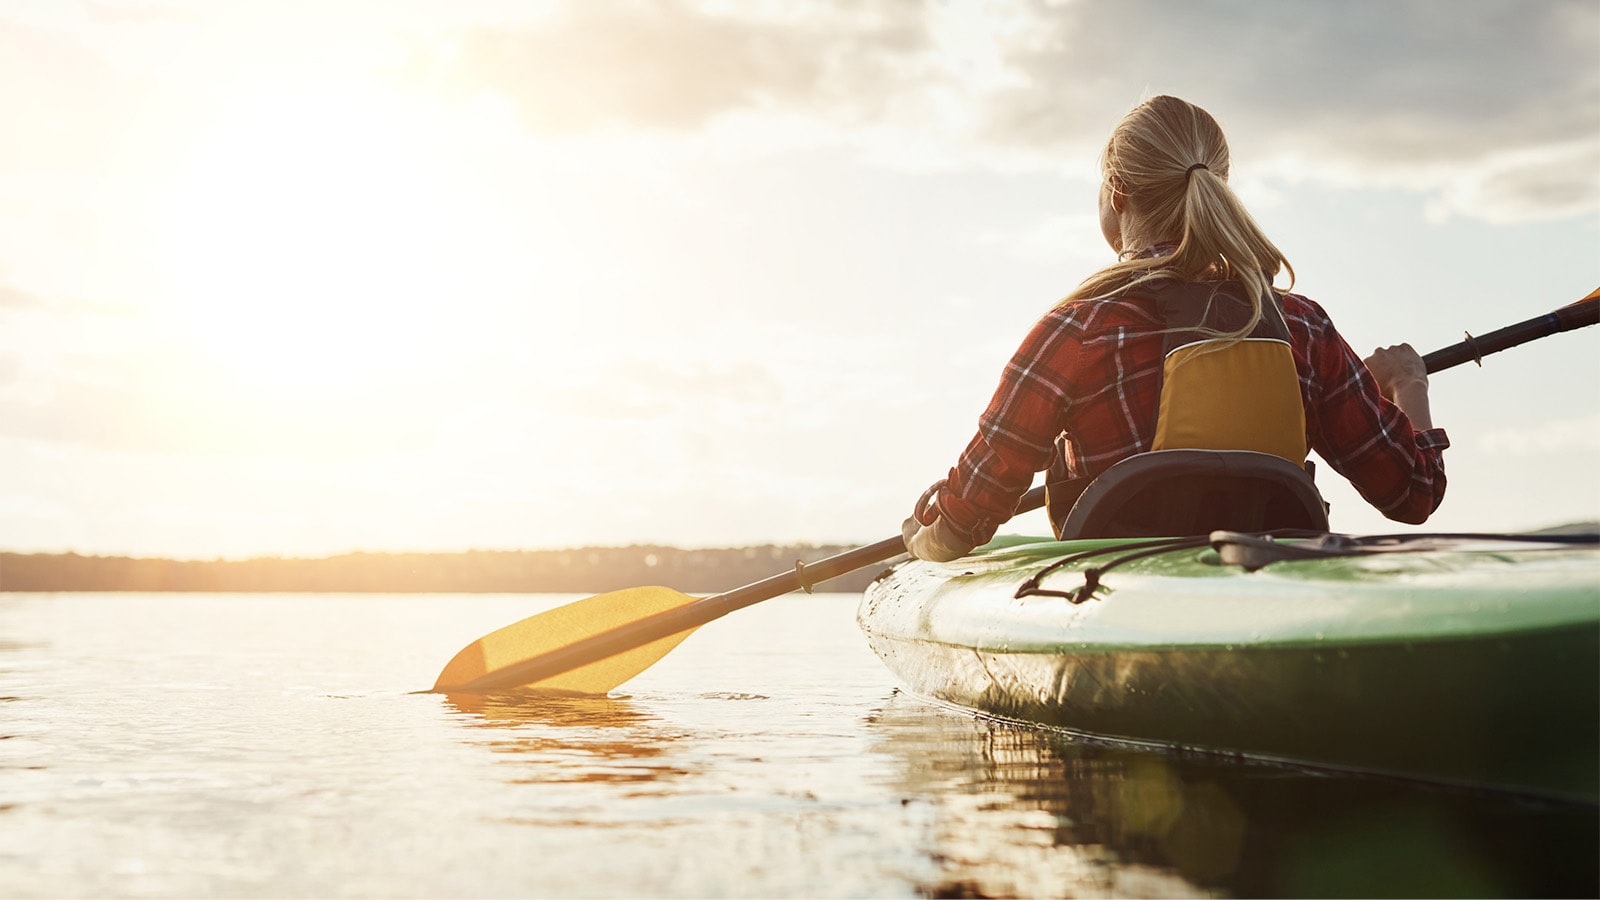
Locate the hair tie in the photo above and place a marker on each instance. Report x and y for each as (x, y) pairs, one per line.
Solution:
(1190, 171)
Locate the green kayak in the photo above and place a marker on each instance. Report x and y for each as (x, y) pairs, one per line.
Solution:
(1467, 659)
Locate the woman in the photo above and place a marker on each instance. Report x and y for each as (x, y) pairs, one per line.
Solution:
(1099, 379)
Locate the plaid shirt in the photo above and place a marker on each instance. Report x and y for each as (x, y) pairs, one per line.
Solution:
(1092, 368)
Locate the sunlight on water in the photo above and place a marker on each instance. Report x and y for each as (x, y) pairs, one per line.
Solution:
(274, 745)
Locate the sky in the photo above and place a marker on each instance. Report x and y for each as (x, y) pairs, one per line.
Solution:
(303, 278)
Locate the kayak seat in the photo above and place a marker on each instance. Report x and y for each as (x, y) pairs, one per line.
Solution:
(1167, 493)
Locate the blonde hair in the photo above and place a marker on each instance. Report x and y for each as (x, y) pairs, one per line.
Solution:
(1170, 160)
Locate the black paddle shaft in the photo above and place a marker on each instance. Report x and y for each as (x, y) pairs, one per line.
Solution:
(1474, 349)
(808, 575)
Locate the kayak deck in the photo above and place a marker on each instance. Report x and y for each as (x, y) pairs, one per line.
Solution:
(1472, 662)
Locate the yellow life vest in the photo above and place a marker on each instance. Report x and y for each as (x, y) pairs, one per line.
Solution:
(1218, 394)
(1215, 394)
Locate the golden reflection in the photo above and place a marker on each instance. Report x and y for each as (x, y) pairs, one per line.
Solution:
(567, 739)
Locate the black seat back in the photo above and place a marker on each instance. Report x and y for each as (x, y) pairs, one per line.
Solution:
(1167, 493)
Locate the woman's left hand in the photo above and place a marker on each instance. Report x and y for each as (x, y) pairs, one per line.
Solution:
(1402, 376)
(1397, 368)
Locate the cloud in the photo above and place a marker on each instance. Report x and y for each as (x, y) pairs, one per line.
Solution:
(670, 64)
(1414, 93)
(15, 298)
(1545, 182)
(1486, 108)
(1490, 107)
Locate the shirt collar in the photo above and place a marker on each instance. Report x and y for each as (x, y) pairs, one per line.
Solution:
(1166, 248)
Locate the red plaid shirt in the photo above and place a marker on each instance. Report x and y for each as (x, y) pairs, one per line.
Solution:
(1091, 369)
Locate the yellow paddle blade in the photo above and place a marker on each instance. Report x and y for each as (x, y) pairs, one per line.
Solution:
(564, 625)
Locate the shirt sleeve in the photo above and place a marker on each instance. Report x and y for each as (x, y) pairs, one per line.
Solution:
(1016, 433)
(1366, 438)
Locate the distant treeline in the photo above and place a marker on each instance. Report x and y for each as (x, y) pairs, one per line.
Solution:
(582, 571)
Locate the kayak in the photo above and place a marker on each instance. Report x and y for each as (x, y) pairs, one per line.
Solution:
(1471, 660)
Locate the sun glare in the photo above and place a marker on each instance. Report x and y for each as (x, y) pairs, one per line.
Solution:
(315, 236)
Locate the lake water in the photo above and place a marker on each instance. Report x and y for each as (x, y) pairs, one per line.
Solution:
(166, 745)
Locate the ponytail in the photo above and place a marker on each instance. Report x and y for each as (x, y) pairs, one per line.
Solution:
(1170, 159)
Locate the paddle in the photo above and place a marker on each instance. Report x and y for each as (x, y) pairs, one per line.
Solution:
(596, 644)
(1574, 315)
(593, 645)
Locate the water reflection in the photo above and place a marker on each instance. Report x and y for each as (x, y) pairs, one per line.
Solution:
(8, 669)
(1020, 812)
(565, 739)
(510, 709)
